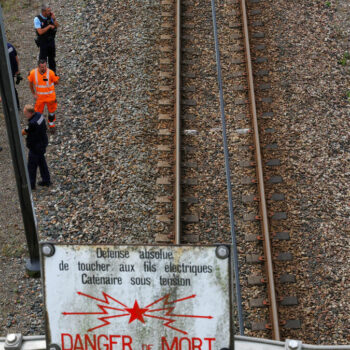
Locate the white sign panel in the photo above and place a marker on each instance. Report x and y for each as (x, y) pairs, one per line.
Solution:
(136, 297)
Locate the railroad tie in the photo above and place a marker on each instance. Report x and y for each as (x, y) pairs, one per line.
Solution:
(167, 25)
(266, 99)
(287, 278)
(257, 23)
(254, 280)
(164, 180)
(165, 75)
(260, 47)
(292, 324)
(249, 198)
(281, 215)
(164, 148)
(165, 116)
(271, 146)
(269, 130)
(273, 162)
(163, 199)
(166, 48)
(285, 256)
(267, 115)
(162, 238)
(253, 258)
(257, 302)
(261, 60)
(165, 102)
(165, 88)
(164, 218)
(281, 236)
(193, 238)
(187, 25)
(250, 217)
(247, 163)
(258, 35)
(248, 181)
(164, 132)
(189, 219)
(164, 164)
(189, 200)
(188, 89)
(190, 182)
(262, 72)
(265, 87)
(165, 61)
(255, 12)
(289, 301)
(190, 164)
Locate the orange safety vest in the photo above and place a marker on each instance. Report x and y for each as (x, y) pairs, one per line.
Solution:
(44, 89)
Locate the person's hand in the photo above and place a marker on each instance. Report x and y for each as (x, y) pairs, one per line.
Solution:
(53, 16)
(52, 26)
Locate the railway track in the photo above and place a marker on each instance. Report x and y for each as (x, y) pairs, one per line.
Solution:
(192, 196)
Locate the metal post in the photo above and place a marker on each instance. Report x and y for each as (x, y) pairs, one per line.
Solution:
(228, 177)
(18, 156)
(178, 126)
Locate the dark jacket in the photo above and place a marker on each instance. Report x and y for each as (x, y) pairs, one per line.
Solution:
(49, 36)
(37, 140)
(12, 56)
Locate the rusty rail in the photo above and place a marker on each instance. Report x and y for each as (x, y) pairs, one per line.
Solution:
(261, 187)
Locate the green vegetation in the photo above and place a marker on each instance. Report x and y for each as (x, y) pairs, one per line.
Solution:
(344, 60)
(7, 5)
(328, 3)
(10, 250)
(12, 5)
(348, 95)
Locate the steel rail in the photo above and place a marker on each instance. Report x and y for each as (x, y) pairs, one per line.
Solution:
(261, 187)
(178, 127)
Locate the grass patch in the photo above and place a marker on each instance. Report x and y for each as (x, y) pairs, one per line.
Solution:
(8, 5)
(11, 251)
(344, 60)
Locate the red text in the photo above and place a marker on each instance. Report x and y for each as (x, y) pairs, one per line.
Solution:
(185, 343)
(95, 342)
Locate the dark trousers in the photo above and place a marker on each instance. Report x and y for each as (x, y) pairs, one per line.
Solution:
(34, 161)
(48, 53)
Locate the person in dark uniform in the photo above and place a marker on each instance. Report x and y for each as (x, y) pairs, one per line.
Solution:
(37, 142)
(46, 26)
(14, 62)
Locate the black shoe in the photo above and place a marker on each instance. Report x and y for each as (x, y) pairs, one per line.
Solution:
(0, 149)
(46, 184)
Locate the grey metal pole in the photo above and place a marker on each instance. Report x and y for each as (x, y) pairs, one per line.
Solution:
(18, 155)
(228, 177)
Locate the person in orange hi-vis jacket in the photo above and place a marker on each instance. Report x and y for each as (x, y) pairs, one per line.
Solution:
(42, 81)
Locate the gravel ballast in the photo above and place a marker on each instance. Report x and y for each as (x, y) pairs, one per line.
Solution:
(103, 157)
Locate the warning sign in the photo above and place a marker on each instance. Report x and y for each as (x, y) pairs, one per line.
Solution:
(136, 297)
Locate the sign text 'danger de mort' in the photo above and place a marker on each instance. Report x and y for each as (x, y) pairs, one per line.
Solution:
(136, 297)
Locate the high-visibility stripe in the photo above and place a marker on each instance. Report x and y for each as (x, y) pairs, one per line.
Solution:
(45, 93)
(41, 119)
(36, 79)
(45, 86)
(48, 85)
